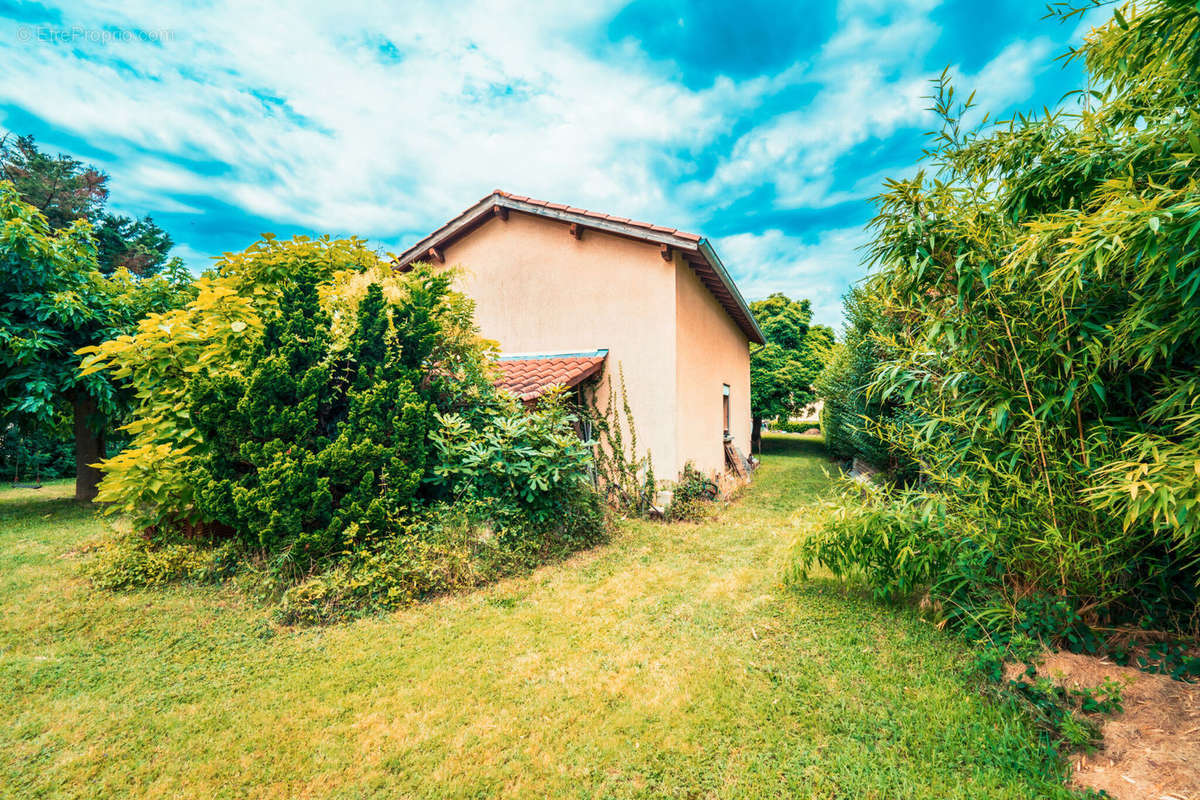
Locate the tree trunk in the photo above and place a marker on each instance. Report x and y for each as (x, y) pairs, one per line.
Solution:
(89, 446)
(756, 436)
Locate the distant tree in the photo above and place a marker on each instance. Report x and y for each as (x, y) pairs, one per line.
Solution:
(783, 370)
(138, 245)
(852, 412)
(65, 190)
(62, 188)
(53, 301)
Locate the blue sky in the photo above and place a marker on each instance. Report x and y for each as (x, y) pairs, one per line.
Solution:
(765, 126)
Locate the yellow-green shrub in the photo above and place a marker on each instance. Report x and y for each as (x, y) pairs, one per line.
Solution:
(131, 560)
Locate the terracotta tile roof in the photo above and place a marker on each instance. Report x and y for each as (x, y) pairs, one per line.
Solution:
(529, 376)
(696, 250)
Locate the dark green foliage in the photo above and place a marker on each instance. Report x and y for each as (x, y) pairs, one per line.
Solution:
(313, 448)
(139, 245)
(852, 410)
(42, 453)
(61, 188)
(65, 190)
(529, 461)
(53, 301)
(693, 495)
(1175, 657)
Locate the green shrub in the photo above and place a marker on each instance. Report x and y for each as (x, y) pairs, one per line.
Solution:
(988, 581)
(528, 460)
(449, 547)
(790, 426)
(885, 538)
(129, 561)
(210, 337)
(853, 412)
(324, 424)
(311, 443)
(693, 495)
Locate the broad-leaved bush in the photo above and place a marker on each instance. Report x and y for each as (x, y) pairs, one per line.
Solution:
(317, 411)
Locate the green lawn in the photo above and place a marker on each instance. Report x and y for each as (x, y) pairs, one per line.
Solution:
(670, 662)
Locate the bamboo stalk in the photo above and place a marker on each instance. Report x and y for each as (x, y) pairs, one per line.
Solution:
(1032, 413)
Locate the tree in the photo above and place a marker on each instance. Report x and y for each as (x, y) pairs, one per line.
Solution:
(289, 405)
(852, 412)
(54, 301)
(66, 190)
(782, 371)
(60, 187)
(213, 345)
(138, 245)
(74, 291)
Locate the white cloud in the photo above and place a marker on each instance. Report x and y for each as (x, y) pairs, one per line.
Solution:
(872, 82)
(321, 130)
(1009, 77)
(355, 118)
(820, 270)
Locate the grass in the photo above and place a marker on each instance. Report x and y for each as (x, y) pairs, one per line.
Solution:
(668, 663)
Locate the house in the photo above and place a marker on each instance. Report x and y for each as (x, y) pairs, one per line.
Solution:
(575, 297)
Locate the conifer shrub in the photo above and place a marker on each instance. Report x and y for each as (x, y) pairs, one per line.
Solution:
(852, 410)
(329, 428)
(309, 443)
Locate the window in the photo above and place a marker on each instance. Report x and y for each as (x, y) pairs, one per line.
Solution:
(725, 405)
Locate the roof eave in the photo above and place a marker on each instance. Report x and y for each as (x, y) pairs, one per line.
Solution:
(479, 212)
(451, 229)
(470, 218)
(718, 266)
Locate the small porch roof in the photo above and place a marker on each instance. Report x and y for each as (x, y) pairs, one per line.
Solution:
(529, 375)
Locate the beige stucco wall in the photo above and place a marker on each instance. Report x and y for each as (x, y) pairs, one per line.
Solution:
(711, 350)
(538, 289)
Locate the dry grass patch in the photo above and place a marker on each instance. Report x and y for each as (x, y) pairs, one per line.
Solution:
(1151, 750)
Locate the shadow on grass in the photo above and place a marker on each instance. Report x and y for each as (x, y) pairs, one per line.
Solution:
(851, 590)
(793, 445)
(20, 503)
